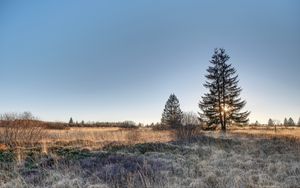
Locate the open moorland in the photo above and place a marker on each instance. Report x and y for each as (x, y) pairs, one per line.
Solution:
(149, 94)
(115, 157)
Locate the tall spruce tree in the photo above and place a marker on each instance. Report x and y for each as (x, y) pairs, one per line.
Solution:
(172, 114)
(298, 124)
(222, 104)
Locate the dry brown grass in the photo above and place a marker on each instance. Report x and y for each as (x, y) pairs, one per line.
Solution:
(19, 133)
(3, 147)
(107, 134)
(95, 138)
(206, 161)
(211, 160)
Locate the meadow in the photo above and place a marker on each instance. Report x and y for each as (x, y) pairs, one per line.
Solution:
(118, 157)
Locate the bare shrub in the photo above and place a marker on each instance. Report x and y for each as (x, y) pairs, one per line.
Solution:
(21, 129)
(187, 132)
(191, 126)
(190, 118)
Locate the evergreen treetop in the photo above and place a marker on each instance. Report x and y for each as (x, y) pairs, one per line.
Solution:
(71, 121)
(291, 122)
(285, 122)
(270, 122)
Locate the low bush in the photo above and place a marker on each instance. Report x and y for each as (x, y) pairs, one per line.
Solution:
(21, 130)
(186, 132)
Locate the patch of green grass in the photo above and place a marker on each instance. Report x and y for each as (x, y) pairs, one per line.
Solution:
(144, 148)
(7, 156)
(31, 160)
(72, 153)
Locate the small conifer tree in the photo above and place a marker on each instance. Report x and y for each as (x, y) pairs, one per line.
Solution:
(71, 121)
(172, 114)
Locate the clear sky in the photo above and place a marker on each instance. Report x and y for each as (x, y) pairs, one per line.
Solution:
(120, 60)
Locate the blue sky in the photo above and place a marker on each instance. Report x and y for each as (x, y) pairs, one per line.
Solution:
(120, 60)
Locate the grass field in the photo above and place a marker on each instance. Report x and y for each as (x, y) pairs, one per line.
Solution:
(291, 132)
(113, 157)
(95, 138)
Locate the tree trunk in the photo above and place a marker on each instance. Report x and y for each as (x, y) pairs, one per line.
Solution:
(223, 128)
(224, 101)
(220, 106)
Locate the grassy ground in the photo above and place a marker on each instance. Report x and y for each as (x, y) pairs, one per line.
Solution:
(100, 137)
(211, 160)
(281, 131)
(97, 138)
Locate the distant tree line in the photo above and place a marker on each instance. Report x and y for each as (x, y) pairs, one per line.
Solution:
(20, 119)
(124, 124)
(286, 122)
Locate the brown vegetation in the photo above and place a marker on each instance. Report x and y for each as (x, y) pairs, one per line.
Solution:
(206, 161)
(280, 131)
(100, 137)
(30, 132)
(187, 132)
(143, 157)
(18, 130)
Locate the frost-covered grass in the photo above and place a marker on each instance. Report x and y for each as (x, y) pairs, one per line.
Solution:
(206, 161)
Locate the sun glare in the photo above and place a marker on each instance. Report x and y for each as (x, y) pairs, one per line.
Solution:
(225, 109)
